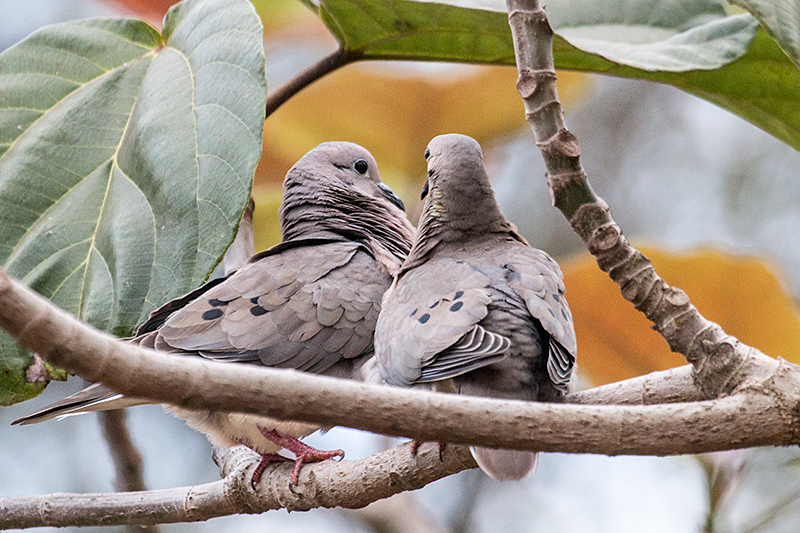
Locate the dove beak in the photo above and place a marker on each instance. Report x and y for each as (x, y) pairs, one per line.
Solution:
(391, 196)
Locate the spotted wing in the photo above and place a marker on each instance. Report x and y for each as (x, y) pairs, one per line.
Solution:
(305, 308)
(428, 329)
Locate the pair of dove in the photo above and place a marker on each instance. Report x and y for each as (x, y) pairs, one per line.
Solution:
(467, 306)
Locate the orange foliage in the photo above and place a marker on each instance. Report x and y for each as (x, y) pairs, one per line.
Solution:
(741, 293)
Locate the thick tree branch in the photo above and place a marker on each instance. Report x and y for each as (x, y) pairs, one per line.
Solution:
(721, 362)
(346, 484)
(761, 416)
(326, 65)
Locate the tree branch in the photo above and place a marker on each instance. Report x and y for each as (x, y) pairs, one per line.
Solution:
(721, 363)
(326, 65)
(761, 416)
(347, 484)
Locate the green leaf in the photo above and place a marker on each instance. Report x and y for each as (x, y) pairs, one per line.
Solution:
(686, 43)
(126, 159)
(648, 34)
(781, 19)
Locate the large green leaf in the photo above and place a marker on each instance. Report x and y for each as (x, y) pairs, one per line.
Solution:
(781, 19)
(126, 160)
(673, 36)
(686, 43)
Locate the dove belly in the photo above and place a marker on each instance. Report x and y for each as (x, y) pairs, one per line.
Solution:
(233, 429)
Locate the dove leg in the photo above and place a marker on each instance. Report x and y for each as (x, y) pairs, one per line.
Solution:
(304, 452)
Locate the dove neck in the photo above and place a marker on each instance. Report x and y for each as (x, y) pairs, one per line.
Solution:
(374, 222)
(445, 227)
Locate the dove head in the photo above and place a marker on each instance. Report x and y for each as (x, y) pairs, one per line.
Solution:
(336, 190)
(458, 194)
(459, 201)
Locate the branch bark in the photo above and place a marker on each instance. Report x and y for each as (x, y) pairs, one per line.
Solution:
(346, 484)
(721, 363)
(761, 415)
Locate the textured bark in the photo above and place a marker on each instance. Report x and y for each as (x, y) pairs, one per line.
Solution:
(721, 363)
(762, 415)
(348, 484)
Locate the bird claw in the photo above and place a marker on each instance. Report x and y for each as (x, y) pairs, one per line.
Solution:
(266, 459)
(303, 452)
(415, 444)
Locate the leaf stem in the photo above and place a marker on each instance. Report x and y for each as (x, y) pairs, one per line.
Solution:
(326, 65)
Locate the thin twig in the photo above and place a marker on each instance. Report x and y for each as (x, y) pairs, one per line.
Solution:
(326, 65)
(126, 458)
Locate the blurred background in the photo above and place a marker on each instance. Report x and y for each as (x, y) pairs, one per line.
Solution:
(711, 199)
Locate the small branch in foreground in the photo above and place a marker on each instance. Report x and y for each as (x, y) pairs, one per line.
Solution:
(326, 65)
(347, 484)
(763, 416)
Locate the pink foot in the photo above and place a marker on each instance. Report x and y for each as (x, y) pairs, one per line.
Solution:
(266, 458)
(304, 452)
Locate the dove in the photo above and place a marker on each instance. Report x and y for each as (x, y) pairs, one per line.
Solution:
(474, 309)
(309, 303)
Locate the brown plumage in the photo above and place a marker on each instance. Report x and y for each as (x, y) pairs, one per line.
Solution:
(309, 303)
(474, 308)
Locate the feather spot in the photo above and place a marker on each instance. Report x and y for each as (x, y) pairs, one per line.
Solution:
(434, 304)
(257, 310)
(458, 295)
(414, 312)
(456, 306)
(212, 314)
(564, 315)
(254, 300)
(556, 297)
(424, 318)
(552, 314)
(214, 302)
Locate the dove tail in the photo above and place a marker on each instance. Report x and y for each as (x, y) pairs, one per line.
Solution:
(505, 465)
(96, 397)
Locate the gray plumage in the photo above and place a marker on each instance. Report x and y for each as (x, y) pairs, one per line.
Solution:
(475, 309)
(309, 303)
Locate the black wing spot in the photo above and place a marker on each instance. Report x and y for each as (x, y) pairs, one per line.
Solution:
(212, 314)
(458, 295)
(552, 314)
(257, 310)
(215, 302)
(456, 306)
(434, 304)
(556, 297)
(414, 312)
(254, 300)
(564, 315)
(424, 318)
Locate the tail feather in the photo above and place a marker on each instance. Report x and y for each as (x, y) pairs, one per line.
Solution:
(505, 465)
(96, 397)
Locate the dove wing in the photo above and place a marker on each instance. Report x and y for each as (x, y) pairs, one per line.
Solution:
(428, 329)
(305, 308)
(537, 279)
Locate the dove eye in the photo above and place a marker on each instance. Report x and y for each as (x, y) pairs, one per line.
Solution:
(361, 166)
(427, 153)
